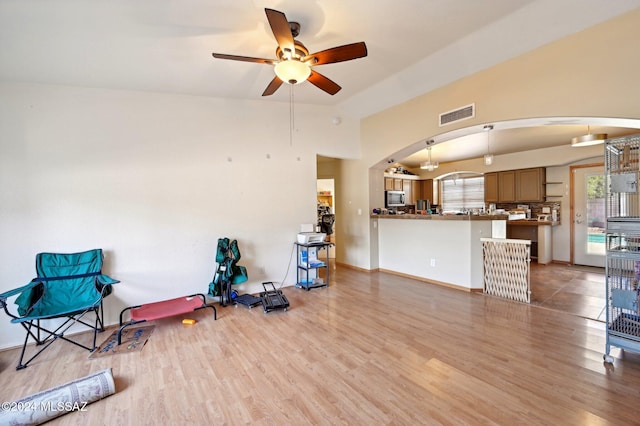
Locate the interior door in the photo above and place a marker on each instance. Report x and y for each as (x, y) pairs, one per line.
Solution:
(589, 216)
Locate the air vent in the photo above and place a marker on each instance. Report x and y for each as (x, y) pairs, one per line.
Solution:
(459, 114)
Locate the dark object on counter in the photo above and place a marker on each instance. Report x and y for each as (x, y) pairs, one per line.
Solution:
(423, 205)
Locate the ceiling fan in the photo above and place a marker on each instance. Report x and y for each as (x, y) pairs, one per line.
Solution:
(294, 63)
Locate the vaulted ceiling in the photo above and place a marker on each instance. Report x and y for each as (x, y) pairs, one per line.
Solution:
(165, 45)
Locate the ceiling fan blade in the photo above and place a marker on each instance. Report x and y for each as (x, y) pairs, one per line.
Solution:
(323, 83)
(281, 30)
(272, 87)
(338, 54)
(243, 58)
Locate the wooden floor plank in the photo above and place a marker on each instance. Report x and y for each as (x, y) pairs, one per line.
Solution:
(372, 348)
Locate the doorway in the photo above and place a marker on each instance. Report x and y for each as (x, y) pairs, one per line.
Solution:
(588, 215)
(326, 206)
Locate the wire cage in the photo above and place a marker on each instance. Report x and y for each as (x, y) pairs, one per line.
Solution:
(622, 163)
(623, 320)
(622, 207)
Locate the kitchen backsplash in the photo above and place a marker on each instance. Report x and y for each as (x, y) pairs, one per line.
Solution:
(536, 208)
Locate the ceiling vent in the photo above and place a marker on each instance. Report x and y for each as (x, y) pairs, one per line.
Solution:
(456, 115)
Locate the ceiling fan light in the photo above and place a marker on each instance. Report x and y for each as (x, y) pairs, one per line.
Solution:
(587, 140)
(292, 71)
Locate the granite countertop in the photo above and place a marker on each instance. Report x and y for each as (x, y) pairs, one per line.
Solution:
(438, 217)
(534, 222)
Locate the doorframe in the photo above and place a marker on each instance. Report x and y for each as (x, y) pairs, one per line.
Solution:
(572, 205)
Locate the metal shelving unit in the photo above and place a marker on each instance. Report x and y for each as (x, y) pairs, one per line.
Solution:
(308, 273)
(622, 204)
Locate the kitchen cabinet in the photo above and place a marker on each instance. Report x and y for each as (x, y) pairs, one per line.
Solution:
(507, 186)
(388, 184)
(406, 187)
(393, 184)
(425, 191)
(491, 187)
(410, 185)
(530, 185)
(511, 186)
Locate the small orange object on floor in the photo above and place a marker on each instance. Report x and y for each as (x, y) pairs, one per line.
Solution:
(188, 321)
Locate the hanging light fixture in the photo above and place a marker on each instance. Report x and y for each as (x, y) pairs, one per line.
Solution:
(429, 165)
(488, 157)
(589, 139)
(291, 68)
(292, 71)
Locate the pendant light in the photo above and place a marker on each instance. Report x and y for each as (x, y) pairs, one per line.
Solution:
(488, 157)
(429, 165)
(588, 139)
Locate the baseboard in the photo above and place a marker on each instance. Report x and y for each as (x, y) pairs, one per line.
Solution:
(345, 265)
(436, 282)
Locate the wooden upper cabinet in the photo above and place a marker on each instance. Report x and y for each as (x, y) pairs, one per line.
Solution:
(491, 187)
(388, 184)
(406, 187)
(512, 186)
(398, 184)
(507, 186)
(426, 190)
(530, 184)
(415, 191)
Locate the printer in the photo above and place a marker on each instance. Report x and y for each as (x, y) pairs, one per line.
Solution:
(311, 237)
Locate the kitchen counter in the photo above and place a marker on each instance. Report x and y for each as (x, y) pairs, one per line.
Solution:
(462, 217)
(444, 250)
(532, 222)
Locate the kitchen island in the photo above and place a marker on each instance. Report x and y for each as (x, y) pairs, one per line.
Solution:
(444, 250)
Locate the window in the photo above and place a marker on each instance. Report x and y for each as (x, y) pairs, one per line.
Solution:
(463, 193)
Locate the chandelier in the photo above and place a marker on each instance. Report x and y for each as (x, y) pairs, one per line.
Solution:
(488, 157)
(429, 165)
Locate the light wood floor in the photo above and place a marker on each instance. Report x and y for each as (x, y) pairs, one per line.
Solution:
(372, 348)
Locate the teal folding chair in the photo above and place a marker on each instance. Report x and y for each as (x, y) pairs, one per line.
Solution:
(67, 286)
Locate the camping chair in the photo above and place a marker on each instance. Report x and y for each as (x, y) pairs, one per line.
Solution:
(228, 272)
(67, 286)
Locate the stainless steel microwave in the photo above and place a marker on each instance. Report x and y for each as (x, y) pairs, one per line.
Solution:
(394, 199)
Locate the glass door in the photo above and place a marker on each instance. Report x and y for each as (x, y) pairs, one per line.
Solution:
(589, 220)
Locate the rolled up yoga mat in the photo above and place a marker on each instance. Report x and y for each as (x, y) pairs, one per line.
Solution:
(51, 403)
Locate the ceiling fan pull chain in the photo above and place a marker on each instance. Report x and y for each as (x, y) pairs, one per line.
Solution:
(291, 115)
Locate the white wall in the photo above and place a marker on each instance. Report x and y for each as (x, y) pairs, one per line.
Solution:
(408, 246)
(542, 83)
(155, 180)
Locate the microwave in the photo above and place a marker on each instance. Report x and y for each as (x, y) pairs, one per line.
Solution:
(394, 199)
